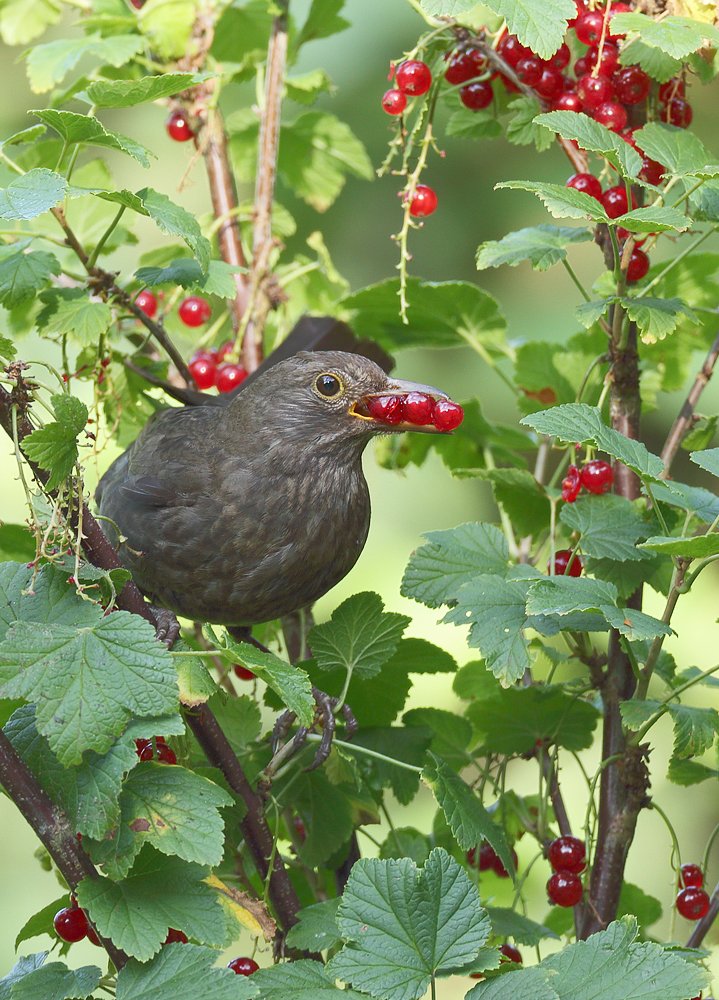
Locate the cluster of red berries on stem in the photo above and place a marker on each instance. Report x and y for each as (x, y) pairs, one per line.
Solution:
(416, 408)
(615, 202)
(486, 859)
(692, 902)
(596, 477)
(209, 368)
(155, 749)
(412, 78)
(566, 855)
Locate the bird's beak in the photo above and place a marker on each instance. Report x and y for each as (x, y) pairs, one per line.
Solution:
(398, 387)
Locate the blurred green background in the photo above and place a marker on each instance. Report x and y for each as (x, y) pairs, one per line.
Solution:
(357, 230)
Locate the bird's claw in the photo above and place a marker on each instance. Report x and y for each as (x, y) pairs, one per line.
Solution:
(167, 627)
(324, 715)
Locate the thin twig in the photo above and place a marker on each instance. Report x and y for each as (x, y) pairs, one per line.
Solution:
(702, 926)
(686, 414)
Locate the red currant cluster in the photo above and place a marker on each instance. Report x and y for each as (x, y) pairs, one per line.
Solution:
(413, 78)
(615, 202)
(486, 859)
(692, 901)
(155, 749)
(416, 408)
(209, 368)
(193, 311)
(243, 966)
(596, 477)
(566, 855)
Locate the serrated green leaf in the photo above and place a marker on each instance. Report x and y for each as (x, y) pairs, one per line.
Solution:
(22, 967)
(561, 595)
(522, 984)
(654, 219)
(468, 819)
(522, 129)
(635, 625)
(436, 571)
(186, 272)
(176, 221)
(696, 547)
(521, 496)
(301, 980)
(679, 150)
(588, 313)
(21, 22)
(22, 275)
(608, 525)
(466, 124)
(24, 135)
(329, 816)
(562, 202)
(694, 729)
(689, 772)
(316, 928)
(159, 893)
(179, 972)
(707, 459)
(633, 901)
(35, 192)
(452, 734)
(403, 923)
(404, 743)
(543, 246)
(72, 311)
(509, 923)
(242, 34)
(582, 424)
(596, 137)
(41, 922)
(87, 680)
(322, 21)
(83, 129)
(55, 981)
(416, 656)
(655, 63)
(128, 93)
(16, 543)
(656, 317)
(360, 637)
(704, 503)
(291, 683)
(48, 64)
(540, 376)
(539, 24)
(406, 842)
(125, 198)
(305, 89)
(677, 36)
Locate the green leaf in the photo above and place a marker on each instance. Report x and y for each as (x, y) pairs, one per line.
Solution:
(624, 968)
(654, 219)
(48, 64)
(360, 637)
(40, 923)
(520, 984)
(316, 928)
(322, 21)
(452, 733)
(85, 130)
(54, 446)
(561, 595)
(509, 923)
(522, 129)
(677, 36)
(17, 543)
(707, 459)
(21, 22)
(635, 625)
(22, 275)
(696, 547)
(521, 496)
(128, 93)
(543, 246)
(539, 24)
(404, 743)
(442, 314)
(633, 901)
(562, 202)
(403, 923)
(35, 192)
(186, 272)
(468, 819)
(8, 350)
(655, 63)
(306, 89)
(582, 424)
(656, 317)
(588, 313)
(681, 151)
(609, 526)
(538, 373)
(466, 124)
(513, 720)
(301, 980)
(317, 151)
(693, 498)
(436, 571)
(55, 981)
(23, 966)
(87, 679)
(159, 893)
(242, 33)
(289, 682)
(689, 772)
(596, 137)
(329, 810)
(178, 972)
(694, 729)
(72, 311)
(406, 842)
(176, 221)
(416, 656)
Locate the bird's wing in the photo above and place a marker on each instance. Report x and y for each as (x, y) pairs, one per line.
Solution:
(148, 491)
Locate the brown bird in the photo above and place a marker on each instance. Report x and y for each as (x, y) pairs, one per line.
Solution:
(243, 513)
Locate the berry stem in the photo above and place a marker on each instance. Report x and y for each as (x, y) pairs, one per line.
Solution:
(570, 271)
(408, 195)
(105, 237)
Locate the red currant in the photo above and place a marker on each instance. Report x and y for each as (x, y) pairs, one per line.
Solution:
(243, 673)
(677, 112)
(418, 408)
(607, 58)
(638, 265)
(92, 937)
(671, 89)
(562, 566)
(529, 70)
(243, 966)
(511, 953)
(464, 66)
(692, 903)
(228, 376)
(564, 888)
(178, 127)
(499, 868)
(594, 90)
(652, 172)
(589, 26)
(612, 115)
(571, 484)
(389, 409)
(175, 936)
(165, 754)
(561, 57)
(194, 311)
(423, 203)
(550, 84)
(203, 371)
(587, 183)
(615, 201)
(567, 854)
(446, 415)
(597, 476)
(487, 857)
(568, 101)
(477, 95)
(394, 102)
(70, 924)
(512, 50)
(691, 876)
(224, 351)
(632, 85)
(138, 4)
(582, 66)
(413, 77)
(147, 302)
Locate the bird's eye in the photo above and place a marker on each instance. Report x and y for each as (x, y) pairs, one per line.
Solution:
(328, 386)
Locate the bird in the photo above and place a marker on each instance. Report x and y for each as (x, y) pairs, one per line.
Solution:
(242, 513)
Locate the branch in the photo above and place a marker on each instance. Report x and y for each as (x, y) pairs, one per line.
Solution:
(684, 420)
(51, 825)
(702, 926)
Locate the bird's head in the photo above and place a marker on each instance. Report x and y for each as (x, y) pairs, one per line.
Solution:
(328, 394)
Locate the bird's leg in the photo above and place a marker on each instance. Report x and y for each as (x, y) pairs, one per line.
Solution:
(167, 627)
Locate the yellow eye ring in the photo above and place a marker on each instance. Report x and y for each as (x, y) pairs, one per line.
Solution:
(328, 386)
